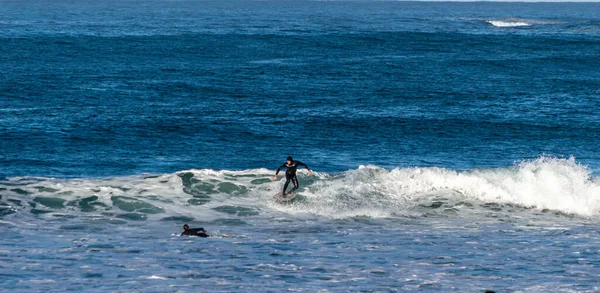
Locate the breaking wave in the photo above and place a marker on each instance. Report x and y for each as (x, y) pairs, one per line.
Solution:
(499, 23)
(544, 184)
(518, 22)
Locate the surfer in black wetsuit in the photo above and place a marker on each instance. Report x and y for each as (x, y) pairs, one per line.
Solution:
(290, 173)
(200, 232)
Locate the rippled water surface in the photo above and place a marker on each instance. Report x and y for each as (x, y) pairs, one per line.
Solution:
(454, 146)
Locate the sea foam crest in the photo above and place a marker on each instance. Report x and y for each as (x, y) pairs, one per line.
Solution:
(505, 23)
(545, 183)
(554, 184)
(518, 22)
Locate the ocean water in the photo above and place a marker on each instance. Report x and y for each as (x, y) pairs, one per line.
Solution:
(454, 146)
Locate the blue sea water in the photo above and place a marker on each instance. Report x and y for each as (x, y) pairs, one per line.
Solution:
(454, 146)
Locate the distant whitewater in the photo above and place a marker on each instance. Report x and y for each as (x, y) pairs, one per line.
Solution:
(518, 22)
(500, 23)
(544, 184)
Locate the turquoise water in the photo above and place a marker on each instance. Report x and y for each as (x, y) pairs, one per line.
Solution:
(454, 146)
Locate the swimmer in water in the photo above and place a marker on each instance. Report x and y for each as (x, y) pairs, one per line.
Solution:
(200, 232)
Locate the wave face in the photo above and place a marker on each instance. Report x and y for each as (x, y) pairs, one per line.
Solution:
(545, 184)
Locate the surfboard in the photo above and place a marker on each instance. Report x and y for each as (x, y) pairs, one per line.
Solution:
(288, 197)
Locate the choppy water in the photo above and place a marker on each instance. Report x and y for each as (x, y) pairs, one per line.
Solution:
(454, 146)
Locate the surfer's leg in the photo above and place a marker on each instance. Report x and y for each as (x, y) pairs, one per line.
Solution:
(287, 182)
(295, 181)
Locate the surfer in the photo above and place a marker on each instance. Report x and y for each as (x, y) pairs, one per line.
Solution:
(200, 232)
(290, 173)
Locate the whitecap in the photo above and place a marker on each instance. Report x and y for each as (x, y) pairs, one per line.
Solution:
(500, 23)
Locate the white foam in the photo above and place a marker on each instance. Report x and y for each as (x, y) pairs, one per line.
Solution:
(546, 183)
(154, 277)
(500, 23)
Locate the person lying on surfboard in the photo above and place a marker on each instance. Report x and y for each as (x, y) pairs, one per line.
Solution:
(200, 232)
(290, 173)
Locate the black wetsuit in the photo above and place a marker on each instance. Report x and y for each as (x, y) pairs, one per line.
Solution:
(200, 232)
(290, 174)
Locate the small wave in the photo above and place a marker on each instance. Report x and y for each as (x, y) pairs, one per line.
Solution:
(500, 23)
(519, 22)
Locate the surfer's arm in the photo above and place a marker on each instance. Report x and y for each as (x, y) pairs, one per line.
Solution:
(279, 169)
(305, 166)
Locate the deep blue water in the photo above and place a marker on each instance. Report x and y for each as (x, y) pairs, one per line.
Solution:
(125, 88)
(455, 145)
